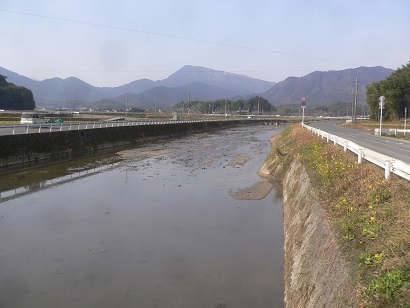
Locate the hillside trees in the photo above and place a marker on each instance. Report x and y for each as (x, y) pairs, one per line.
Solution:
(395, 89)
(15, 97)
(249, 106)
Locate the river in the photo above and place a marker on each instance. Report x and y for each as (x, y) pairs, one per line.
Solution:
(173, 223)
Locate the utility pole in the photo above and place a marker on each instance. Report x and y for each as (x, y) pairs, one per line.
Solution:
(381, 106)
(258, 108)
(189, 99)
(225, 109)
(352, 105)
(355, 101)
(126, 106)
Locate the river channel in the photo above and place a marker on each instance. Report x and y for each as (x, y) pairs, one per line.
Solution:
(182, 222)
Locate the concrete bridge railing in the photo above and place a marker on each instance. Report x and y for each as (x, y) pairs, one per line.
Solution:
(389, 164)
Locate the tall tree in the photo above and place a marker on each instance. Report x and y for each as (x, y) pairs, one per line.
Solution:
(395, 89)
(15, 97)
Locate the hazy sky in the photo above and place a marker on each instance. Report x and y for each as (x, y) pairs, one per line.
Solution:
(109, 43)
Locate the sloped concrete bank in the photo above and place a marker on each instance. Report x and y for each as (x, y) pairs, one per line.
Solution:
(316, 273)
(30, 149)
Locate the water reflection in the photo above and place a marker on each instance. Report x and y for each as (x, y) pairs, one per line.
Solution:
(154, 227)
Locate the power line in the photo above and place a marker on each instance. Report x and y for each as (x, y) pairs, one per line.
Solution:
(160, 71)
(174, 36)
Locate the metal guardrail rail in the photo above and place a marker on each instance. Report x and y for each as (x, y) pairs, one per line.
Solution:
(389, 164)
(50, 127)
(391, 131)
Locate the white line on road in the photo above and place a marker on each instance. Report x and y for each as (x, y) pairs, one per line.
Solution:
(388, 141)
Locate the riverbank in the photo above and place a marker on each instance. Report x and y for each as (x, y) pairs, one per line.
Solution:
(347, 238)
(156, 227)
(27, 150)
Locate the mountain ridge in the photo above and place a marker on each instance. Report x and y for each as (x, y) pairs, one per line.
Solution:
(56, 91)
(203, 84)
(325, 86)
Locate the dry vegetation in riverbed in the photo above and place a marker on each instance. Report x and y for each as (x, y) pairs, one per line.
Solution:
(371, 214)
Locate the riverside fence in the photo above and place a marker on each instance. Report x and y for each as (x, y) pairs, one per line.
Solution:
(389, 164)
(66, 126)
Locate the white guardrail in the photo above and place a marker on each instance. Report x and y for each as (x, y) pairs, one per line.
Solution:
(49, 127)
(389, 164)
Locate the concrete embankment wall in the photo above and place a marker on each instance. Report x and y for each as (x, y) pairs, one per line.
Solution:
(316, 273)
(54, 146)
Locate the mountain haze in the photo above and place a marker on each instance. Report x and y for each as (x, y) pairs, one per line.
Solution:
(240, 84)
(202, 83)
(323, 87)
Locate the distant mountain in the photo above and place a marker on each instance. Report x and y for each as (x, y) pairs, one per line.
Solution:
(201, 83)
(324, 87)
(198, 91)
(163, 97)
(56, 91)
(240, 84)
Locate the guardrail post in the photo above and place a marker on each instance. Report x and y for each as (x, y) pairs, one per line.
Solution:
(387, 169)
(61, 127)
(14, 129)
(359, 156)
(327, 137)
(51, 127)
(345, 146)
(335, 140)
(39, 129)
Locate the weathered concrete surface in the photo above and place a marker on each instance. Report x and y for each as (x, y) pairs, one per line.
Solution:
(316, 273)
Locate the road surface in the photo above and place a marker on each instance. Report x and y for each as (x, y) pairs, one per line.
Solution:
(395, 148)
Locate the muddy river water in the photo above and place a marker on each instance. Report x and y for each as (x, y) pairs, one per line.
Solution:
(185, 222)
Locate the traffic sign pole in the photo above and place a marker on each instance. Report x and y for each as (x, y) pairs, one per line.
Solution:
(381, 106)
(303, 105)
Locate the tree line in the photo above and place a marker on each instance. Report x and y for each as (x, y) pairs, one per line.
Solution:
(396, 90)
(15, 97)
(252, 105)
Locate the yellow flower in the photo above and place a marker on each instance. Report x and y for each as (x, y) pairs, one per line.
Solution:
(351, 209)
(372, 218)
(370, 206)
(364, 229)
(376, 256)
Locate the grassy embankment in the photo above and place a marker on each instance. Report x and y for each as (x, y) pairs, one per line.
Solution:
(370, 214)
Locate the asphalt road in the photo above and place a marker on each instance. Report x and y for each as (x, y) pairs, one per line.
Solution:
(395, 148)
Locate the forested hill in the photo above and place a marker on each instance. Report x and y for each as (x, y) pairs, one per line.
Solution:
(325, 87)
(15, 97)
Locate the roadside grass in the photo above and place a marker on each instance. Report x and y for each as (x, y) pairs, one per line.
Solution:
(9, 122)
(371, 215)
